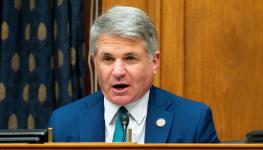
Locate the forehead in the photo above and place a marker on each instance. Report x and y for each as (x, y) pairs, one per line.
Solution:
(107, 43)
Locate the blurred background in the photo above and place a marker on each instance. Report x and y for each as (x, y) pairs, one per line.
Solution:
(211, 51)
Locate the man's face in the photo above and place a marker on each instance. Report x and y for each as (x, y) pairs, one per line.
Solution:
(125, 71)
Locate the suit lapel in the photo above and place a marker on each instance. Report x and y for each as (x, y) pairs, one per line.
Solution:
(157, 110)
(91, 121)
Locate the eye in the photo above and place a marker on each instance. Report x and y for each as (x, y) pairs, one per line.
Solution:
(108, 59)
(131, 59)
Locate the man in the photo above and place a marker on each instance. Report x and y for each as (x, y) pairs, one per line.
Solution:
(123, 45)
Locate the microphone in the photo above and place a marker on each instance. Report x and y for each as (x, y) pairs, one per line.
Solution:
(124, 124)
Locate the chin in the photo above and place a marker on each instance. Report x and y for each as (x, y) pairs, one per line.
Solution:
(121, 101)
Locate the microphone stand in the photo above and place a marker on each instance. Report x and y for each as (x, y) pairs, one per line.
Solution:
(124, 123)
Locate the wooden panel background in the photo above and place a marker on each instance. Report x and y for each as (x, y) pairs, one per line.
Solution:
(211, 51)
(223, 62)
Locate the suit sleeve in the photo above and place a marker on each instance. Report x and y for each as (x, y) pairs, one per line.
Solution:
(206, 132)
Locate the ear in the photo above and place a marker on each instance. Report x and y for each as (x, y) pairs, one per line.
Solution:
(156, 61)
(92, 56)
(93, 62)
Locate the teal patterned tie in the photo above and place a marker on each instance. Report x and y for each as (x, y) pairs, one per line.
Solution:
(118, 132)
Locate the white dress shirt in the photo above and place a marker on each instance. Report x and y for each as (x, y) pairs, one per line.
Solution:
(137, 112)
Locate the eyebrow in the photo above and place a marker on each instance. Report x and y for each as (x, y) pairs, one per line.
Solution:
(131, 54)
(127, 54)
(107, 54)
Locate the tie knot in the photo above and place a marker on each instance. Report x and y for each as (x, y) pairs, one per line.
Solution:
(122, 110)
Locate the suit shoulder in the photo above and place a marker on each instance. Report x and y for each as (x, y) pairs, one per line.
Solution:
(193, 120)
(178, 101)
(79, 105)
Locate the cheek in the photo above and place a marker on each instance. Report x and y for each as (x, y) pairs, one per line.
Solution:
(103, 73)
(142, 74)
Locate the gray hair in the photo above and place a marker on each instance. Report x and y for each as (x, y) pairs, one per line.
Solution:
(125, 22)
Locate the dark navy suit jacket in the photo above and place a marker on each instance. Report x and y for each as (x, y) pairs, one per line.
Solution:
(186, 121)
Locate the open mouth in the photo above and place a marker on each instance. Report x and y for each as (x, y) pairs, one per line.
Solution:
(120, 86)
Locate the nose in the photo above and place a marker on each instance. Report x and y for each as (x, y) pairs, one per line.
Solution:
(119, 69)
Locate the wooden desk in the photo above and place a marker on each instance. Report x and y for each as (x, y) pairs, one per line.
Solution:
(108, 146)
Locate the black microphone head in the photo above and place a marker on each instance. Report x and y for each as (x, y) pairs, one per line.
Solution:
(124, 119)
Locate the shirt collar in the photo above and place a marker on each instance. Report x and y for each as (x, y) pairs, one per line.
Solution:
(110, 109)
(137, 109)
